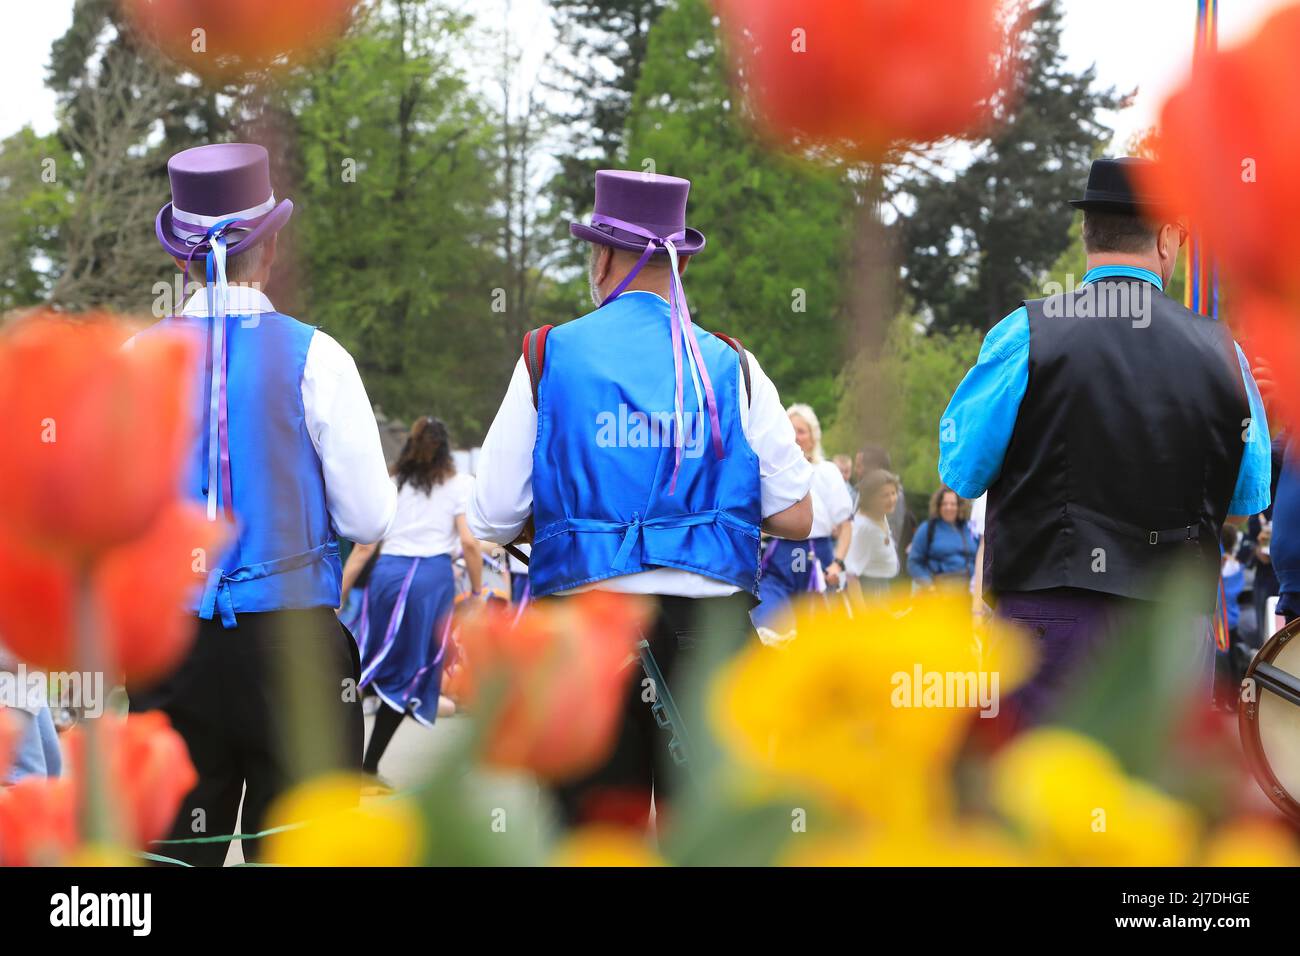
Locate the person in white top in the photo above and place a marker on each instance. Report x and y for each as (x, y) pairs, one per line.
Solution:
(406, 611)
(872, 560)
(811, 566)
(673, 513)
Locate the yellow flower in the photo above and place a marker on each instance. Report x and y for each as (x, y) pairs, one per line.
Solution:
(1252, 843)
(339, 830)
(956, 845)
(868, 706)
(1075, 804)
(604, 846)
(100, 855)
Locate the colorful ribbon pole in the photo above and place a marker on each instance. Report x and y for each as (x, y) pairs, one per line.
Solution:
(1201, 288)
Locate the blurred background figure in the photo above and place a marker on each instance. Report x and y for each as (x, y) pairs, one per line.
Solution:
(794, 567)
(872, 561)
(902, 523)
(1284, 549)
(406, 613)
(1230, 663)
(944, 547)
(36, 751)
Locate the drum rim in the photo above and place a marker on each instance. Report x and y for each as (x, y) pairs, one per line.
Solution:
(1248, 727)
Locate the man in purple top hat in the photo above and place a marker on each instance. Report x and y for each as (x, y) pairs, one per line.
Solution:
(287, 450)
(647, 455)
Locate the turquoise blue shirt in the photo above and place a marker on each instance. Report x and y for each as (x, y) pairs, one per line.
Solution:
(976, 427)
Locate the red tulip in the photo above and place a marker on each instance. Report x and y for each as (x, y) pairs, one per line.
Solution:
(1272, 332)
(139, 590)
(1227, 143)
(858, 76)
(92, 435)
(149, 772)
(561, 673)
(149, 775)
(38, 822)
(238, 36)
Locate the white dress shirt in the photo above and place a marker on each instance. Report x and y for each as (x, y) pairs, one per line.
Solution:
(503, 489)
(361, 497)
(831, 503)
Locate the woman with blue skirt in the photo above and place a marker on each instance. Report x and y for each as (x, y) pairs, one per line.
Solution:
(788, 569)
(405, 618)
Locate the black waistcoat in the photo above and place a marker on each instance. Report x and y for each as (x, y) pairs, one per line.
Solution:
(1126, 448)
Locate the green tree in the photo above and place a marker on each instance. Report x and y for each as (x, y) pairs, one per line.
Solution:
(34, 205)
(123, 111)
(396, 225)
(604, 44)
(778, 228)
(976, 243)
(917, 373)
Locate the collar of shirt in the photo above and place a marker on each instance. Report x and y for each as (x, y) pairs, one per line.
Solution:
(1127, 272)
(643, 292)
(240, 300)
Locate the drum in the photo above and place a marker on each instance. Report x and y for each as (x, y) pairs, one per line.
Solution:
(1268, 717)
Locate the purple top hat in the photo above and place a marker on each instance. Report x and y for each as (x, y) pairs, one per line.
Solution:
(655, 205)
(215, 183)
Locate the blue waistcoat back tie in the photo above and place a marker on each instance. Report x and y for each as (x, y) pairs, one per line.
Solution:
(604, 456)
(286, 554)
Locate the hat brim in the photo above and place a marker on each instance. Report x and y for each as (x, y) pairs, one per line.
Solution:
(269, 226)
(689, 246)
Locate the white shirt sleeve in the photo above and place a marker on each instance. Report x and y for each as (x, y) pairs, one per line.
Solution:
(361, 497)
(502, 497)
(784, 473)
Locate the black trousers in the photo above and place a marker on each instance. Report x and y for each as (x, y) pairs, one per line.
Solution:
(229, 700)
(640, 768)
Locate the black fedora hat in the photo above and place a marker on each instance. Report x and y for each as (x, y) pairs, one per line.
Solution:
(1113, 186)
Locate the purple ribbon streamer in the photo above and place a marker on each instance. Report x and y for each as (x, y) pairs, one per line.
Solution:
(217, 458)
(682, 330)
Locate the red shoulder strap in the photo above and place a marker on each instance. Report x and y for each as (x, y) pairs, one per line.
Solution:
(535, 355)
(744, 362)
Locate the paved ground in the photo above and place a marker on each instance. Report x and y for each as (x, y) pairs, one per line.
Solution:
(413, 750)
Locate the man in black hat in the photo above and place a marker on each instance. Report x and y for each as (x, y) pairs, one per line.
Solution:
(1114, 430)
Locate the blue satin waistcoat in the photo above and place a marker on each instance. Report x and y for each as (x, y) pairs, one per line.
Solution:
(286, 554)
(604, 455)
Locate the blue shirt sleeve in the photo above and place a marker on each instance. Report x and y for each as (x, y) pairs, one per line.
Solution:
(1254, 481)
(976, 427)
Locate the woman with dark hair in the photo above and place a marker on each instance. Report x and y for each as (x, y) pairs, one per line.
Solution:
(407, 606)
(944, 546)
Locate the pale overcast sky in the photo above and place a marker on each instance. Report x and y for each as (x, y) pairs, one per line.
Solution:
(1135, 43)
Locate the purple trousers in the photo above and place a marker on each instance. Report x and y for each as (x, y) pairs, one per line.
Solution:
(1072, 629)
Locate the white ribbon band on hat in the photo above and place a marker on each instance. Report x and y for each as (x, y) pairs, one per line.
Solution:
(199, 225)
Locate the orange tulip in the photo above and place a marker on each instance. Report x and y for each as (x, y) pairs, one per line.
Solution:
(562, 673)
(1227, 141)
(149, 775)
(92, 435)
(858, 76)
(1272, 331)
(238, 36)
(139, 590)
(149, 771)
(38, 822)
